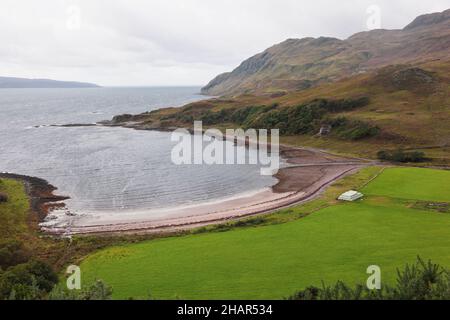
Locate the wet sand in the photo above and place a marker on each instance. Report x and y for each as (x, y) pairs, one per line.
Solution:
(308, 173)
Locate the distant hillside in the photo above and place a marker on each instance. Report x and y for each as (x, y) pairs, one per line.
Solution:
(298, 64)
(398, 106)
(8, 82)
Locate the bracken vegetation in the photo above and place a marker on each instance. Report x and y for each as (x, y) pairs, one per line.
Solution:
(420, 281)
(27, 281)
(96, 291)
(302, 119)
(402, 156)
(29, 262)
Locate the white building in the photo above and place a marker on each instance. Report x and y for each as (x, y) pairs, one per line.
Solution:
(351, 196)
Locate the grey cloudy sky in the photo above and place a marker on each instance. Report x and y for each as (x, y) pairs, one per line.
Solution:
(171, 42)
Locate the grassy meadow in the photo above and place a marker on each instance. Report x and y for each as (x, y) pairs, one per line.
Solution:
(18, 223)
(412, 183)
(337, 242)
(14, 212)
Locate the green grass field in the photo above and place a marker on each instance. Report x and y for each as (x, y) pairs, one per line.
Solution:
(271, 262)
(412, 183)
(14, 212)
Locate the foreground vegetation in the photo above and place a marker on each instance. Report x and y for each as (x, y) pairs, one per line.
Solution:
(21, 277)
(268, 256)
(420, 281)
(14, 208)
(30, 261)
(338, 242)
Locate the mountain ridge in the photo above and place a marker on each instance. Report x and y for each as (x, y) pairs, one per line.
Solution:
(297, 64)
(428, 19)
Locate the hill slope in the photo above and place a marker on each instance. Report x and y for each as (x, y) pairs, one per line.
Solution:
(405, 106)
(302, 63)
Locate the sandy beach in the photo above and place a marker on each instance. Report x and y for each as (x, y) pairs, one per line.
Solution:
(308, 173)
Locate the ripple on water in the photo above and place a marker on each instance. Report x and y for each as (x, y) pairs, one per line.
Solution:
(109, 169)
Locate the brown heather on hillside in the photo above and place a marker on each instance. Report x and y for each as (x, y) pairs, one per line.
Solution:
(403, 74)
(410, 105)
(297, 64)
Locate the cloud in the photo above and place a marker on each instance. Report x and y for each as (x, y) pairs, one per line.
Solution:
(170, 42)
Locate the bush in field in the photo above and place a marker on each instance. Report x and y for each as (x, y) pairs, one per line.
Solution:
(28, 281)
(301, 119)
(181, 117)
(356, 130)
(420, 281)
(341, 105)
(12, 253)
(351, 129)
(245, 115)
(3, 197)
(307, 118)
(209, 117)
(97, 291)
(401, 156)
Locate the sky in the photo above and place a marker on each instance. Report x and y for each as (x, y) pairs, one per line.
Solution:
(173, 42)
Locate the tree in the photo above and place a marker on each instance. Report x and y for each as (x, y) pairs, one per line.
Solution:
(27, 281)
(12, 253)
(401, 156)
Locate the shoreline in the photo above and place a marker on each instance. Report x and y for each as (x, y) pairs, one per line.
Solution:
(308, 174)
(195, 221)
(40, 192)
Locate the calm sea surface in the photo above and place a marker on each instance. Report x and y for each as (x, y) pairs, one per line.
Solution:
(109, 169)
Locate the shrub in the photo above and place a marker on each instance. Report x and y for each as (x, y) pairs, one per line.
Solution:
(12, 253)
(337, 122)
(401, 156)
(250, 222)
(209, 117)
(28, 281)
(344, 104)
(181, 117)
(97, 291)
(356, 130)
(274, 119)
(383, 155)
(301, 119)
(307, 118)
(247, 114)
(3, 197)
(420, 281)
(122, 118)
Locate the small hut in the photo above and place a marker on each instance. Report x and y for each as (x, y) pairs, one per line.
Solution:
(351, 196)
